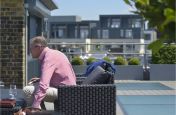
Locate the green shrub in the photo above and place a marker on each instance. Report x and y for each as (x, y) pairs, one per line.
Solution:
(91, 60)
(107, 59)
(165, 55)
(134, 61)
(77, 61)
(120, 61)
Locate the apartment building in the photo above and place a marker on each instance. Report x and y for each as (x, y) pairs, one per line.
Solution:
(117, 33)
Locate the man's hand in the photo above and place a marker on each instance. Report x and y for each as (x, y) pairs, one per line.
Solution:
(28, 111)
(20, 112)
(34, 80)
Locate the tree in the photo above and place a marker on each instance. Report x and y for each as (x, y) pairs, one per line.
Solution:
(165, 55)
(161, 15)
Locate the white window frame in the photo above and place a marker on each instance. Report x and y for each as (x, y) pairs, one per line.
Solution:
(105, 33)
(115, 23)
(128, 33)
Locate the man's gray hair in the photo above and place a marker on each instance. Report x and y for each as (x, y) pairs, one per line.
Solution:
(39, 40)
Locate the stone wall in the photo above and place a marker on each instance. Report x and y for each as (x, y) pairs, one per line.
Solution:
(12, 42)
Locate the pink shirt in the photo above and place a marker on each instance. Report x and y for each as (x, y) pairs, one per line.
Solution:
(55, 70)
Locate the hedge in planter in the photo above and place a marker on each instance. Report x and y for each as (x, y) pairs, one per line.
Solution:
(77, 61)
(120, 61)
(134, 61)
(165, 55)
(107, 59)
(91, 60)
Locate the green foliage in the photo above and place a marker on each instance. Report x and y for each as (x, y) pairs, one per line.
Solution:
(156, 45)
(120, 61)
(77, 61)
(165, 55)
(134, 61)
(161, 16)
(91, 60)
(107, 59)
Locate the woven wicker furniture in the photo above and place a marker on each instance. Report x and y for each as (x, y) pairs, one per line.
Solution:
(79, 80)
(9, 111)
(91, 99)
(87, 100)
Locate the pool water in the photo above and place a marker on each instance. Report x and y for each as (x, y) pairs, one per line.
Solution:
(148, 104)
(142, 86)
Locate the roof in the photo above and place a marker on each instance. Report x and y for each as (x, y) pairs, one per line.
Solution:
(49, 4)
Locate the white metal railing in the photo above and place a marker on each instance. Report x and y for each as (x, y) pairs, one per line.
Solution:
(118, 43)
(132, 52)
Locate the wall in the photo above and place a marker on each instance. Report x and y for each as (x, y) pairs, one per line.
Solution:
(163, 72)
(130, 72)
(12, 47)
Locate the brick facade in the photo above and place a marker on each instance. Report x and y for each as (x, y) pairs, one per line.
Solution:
(12, 39)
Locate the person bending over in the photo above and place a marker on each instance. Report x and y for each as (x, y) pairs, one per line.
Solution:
(55, 70)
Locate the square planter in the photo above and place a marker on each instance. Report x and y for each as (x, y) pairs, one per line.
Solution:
(129, 72)
(79, 69)
(164, 72)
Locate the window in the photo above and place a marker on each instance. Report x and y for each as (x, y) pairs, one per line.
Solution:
(76, 32)
(105, 22)
(84, 31)
(52, 34)
(128, 33)
(98, 34)
(115, 23)
(53, 31)
(60, 33)
(56, 34)
(57, 31)
(121, 33)
(136, 23)
(130, 47)
(92, 25)
(45, 24)
(109, 23)
(147, 36)
(105, 34)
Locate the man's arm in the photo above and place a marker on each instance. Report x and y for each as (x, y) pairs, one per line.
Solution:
(34, 80)
(47, 70)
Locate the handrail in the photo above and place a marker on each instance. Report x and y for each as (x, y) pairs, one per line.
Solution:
(122, 43)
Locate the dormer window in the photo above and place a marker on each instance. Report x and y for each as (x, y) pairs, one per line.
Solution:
(115, 23)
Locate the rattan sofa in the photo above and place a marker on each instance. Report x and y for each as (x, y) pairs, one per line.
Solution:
(90, 99)
(9, 111)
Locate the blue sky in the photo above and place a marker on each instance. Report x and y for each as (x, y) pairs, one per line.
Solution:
(91, 9)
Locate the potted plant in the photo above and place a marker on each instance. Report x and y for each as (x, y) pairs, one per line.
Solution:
(133, 71)
(78, 65)
(77, 61)
(134, 61)
(91, 60)
(120, 61)
(107, 59)
(163, 63)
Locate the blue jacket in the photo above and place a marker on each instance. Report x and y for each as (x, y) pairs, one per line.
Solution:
(105, 65)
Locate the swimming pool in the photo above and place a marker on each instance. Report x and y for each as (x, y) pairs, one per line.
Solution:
(148, 104)
(141, 86)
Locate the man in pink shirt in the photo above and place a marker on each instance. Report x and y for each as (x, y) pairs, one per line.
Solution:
(55, 70)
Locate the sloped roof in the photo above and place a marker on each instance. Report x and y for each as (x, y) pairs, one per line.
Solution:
(49, 4)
